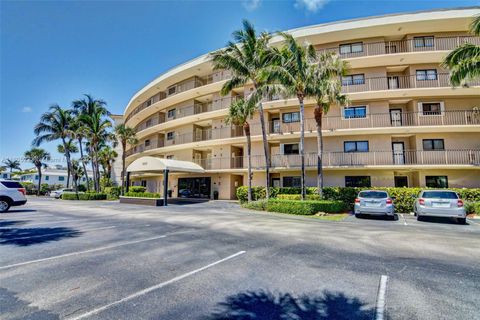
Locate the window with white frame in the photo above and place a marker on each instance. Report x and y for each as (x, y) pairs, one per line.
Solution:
(433, 144)
(355, 146)
(431, 108)
(424, 42)
(353, 79)
(428, 74)
(355, 112)
(290, 117)
(349, 48)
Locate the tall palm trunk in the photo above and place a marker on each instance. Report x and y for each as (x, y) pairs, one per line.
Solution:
(94, 172)
(39, 169)
(265, 150)
(318, 113)
(124, 146)
(83, 163)
(69, 167)
(302, 143)
(246, 128)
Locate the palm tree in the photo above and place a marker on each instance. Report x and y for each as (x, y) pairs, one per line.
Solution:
(90, 113)
(38, 156)
(125, 135)
(77, 171)
(464, 61)
(72, 148)
(245, 59)
(291, 70)
(327, 90)
(106, 157)
(80, 133)
(239, 113)
(55, 124)
(12, 164)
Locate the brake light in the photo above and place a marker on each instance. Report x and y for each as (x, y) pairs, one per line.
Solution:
(389, 201)
(22, 190)
(460, 203)
(357, 200)
(421, 201)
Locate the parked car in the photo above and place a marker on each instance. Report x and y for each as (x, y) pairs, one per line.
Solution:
(57, 194)
(12, 194)
(374, 202)
(440, 203)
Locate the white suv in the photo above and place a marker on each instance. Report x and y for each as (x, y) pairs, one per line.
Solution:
(12, 194)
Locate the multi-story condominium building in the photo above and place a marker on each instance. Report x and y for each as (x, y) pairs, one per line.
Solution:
(405, 124)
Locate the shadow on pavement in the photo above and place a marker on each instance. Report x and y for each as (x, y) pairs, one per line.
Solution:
(442, 220)
(264, 305)
(30, 236)
(7, 223)
(15, 308)
(377, 217)
(20, 210)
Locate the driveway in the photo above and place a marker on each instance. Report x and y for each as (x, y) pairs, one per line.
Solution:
(215, 260)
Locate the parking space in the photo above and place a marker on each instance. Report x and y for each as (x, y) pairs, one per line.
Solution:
(214, 260)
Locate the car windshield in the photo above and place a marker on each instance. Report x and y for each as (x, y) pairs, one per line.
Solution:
(440, 195)
(373, 194)
(11, 184)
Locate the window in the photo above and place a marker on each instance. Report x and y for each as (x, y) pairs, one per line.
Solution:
(291, 182)
(431, 109)
(355, 112)
(147, 143)
(357, 181)
(430, 74)
(422, 42)
(171, 113)
(290, 148)
(11, 184)
(351, 48)
(170, 157)
(36, 177)
(172, 90)
(5, 176)
(433, 144)
(354, 79)
(291, 117)
(439, 194)
(436, 181)
(62, 178)
(355, 146)
(144, 183)
(148, 123)
(170, 135)
(47, 178)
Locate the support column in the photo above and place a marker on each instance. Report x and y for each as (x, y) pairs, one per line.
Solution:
(165, 187)
(127, 182)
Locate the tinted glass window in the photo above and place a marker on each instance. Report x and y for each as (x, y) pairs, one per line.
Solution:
(373, 194)
(355, 146)
(11, 184)
(291, 117)
(357, 181)
(355, 112)
(440, 195)
(290, 148)
(436, 181)
(293, 182)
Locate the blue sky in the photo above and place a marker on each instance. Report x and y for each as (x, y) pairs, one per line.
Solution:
(53, 52)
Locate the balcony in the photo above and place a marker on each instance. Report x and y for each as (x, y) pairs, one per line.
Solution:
(361, 49)
(196, 136)
(185, 85)
(350, 160)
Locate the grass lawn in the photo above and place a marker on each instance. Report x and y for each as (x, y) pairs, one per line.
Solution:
(332, 217)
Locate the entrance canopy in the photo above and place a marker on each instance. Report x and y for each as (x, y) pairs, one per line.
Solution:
(154, 164)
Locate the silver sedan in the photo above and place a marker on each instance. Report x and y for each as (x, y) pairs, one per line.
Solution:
(440, 203)
(374, 202)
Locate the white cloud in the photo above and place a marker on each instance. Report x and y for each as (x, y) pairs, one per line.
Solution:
(311, 5)
(26, 109)
(251, 5)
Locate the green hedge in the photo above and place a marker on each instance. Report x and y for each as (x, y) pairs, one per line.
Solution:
(143, 195)
(137, 189)
(84, 196)
(298, 197)
(297, 207)
(112, 192)
(404, 197)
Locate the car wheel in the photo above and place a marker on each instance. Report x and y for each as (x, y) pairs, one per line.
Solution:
(419, 218)
(462, 220)
(4, 205)
(358, 215)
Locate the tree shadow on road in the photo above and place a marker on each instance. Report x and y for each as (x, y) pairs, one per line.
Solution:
(15, 308)
(8, 223)
(29, 236)
(264, 305)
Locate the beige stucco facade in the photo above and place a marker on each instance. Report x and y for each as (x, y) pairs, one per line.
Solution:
(407, 129)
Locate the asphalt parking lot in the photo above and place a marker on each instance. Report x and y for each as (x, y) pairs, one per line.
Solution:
(103, 260)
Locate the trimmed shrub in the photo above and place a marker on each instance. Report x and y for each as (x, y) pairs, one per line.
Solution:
(112, 192)
(475, 207)
(298, 197)
(307, 207)
(84, 196)
(82, 188)
(256, 205)
(143, 195)
(404, 197)
(137, 189)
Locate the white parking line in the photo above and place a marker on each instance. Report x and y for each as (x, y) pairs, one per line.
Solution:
(79, 252)
(404, 220)
(155, 287)
(59, 232)
(380, 307)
